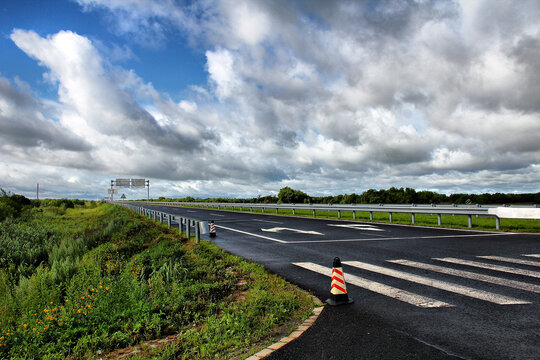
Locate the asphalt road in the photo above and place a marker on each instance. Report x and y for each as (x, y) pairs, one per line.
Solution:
(420, 293)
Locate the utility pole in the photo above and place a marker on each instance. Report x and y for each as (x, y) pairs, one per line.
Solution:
(38, 191)
(112, 190)
(148, 184)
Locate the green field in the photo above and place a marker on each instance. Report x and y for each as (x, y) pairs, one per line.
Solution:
(448, 221)
(83, 282)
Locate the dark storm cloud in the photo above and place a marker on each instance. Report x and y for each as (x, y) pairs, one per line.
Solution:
(24, 122)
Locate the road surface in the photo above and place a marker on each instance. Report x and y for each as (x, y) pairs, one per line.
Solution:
(419, 292)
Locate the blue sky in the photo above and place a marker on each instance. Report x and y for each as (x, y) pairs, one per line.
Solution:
(241, 98)
(172, 65)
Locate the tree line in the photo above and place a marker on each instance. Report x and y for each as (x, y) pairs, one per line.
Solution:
(393, 195)
(14, 205)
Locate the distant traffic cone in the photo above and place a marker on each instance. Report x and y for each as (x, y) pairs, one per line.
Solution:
(338, 289)
(212, 228)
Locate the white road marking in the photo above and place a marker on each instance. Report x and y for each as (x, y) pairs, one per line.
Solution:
(470, 275)
(217, 214)
(511, 260)
(251, 234)
(280, 229)
(268, 221)
(395, 238)
(532, 255)
(458, 289)
(506, 269)
(357, 227)
(395, 293)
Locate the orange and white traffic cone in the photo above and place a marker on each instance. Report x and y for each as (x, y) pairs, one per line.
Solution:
(338, 289)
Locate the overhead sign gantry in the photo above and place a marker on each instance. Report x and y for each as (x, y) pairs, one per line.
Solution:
(128, 183)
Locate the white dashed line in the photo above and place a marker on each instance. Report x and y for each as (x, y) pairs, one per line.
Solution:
(442, 285)
(470, 275)
(395, 293)
(506, 269)
(511, 260)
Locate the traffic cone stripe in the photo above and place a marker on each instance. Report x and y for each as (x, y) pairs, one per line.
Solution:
(337, 271)
(334, 286)
(338, 279)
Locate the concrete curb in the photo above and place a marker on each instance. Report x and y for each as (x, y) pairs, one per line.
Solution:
(294, 335)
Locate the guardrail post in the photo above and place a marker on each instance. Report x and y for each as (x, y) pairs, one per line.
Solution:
(180, 226)
(277, 210)
(439, 222)
(188, 228)
(294, 211)
(339, 214)
(314, 213)
(354, 215)
(251, 209)
(169, 221)
(371, 215)
(412, 218)
(470, 220)
(497, 223)
(197, 232)
(390, 216)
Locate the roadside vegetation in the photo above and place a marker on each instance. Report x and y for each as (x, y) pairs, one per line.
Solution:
(80, 280)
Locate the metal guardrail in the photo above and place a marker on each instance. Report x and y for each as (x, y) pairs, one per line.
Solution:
(200, 227)
(495, 211)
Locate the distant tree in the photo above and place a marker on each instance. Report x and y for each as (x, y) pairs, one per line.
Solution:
(12, 205)
(288, 195)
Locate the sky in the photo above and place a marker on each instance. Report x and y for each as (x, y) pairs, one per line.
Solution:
(234, 98)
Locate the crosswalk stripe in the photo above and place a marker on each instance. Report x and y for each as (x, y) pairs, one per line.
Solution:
(506, 269)
(398, 294)
(458, 289)
(470, 275)
(511, 260)
(532, 255)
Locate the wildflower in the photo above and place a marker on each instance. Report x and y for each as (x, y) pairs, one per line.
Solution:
(24, 325)
(33, 329)
(106, 288)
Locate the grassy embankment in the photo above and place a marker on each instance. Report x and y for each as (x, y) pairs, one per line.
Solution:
(80, 283)
(448, 221)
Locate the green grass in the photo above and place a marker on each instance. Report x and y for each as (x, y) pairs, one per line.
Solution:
(81, 283)
(447, 221)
